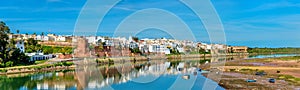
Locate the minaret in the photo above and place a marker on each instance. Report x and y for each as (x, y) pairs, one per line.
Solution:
(20, 45)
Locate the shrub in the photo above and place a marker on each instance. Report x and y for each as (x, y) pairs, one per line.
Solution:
(2, 65)
(246, 69)
(67, 63)
(3, 70)
(9, 64)
(231, 70)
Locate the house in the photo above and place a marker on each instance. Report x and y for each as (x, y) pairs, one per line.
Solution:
(60, 39)
(45, 38)
(156, 48)
(95, 39)
(218, 49)
(51, 37)
(238, 49)
(38, 37)
(39, 56)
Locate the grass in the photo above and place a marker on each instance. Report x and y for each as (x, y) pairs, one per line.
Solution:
(268, 60)
(240, 84)
(289, 78)
(40, 66)
(40, 61)
(290, 58)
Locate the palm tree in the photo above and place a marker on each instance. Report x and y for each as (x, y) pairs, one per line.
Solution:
(42, 36)
(18, 32)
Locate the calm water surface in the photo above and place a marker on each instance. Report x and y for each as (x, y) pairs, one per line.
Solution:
(152, 75)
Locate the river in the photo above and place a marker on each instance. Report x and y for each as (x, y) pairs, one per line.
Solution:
(147, 75)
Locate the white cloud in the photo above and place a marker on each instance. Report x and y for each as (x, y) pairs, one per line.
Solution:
(124, 8)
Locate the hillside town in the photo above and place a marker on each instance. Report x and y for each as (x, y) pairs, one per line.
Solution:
(99, 46)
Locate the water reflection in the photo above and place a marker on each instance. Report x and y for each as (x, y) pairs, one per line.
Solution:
(176, 74)
(108, 77)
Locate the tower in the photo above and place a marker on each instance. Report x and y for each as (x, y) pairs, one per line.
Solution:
(20, 45)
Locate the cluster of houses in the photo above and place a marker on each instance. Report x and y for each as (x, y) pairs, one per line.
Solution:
(45, 38)
(121, 46)
(20, 44)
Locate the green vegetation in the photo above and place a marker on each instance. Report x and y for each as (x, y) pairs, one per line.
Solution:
(64, 64)
(290, 78)
(32, 46)
(289, 58)
(40, 61)
(135, 50)
(56, 49)
(10, 55)
(240, 84)
(136, 39)
(37, 67)
(15, 83)
(274, 50)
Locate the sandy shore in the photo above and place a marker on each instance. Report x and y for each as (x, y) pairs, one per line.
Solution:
(285, 70)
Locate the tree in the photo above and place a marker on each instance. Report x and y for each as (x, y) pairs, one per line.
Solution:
(18, 32)
(135, 50)
(42, 35)
(4, 41)
(101, 46)
(19, 58)
(136, 39)
(32, 46)
(9, 54)
(34, 34)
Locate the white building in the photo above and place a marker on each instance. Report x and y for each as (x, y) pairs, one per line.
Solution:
(39, 56)
(45, 38)
(95, 39)
(180, 49)
(156, 48)
(20, 45)
(60, 39)
(38, 37)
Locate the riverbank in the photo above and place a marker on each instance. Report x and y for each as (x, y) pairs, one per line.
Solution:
(170, 57)
(284, 69)
(58, 65)
(38, 68)
(234, 75)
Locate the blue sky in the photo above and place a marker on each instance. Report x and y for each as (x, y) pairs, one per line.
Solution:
(255, 23)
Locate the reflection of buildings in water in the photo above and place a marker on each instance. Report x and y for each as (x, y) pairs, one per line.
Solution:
(217, 59)
(42, 86)
(56, 80)
(84, 78)
(129, 73)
